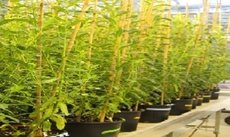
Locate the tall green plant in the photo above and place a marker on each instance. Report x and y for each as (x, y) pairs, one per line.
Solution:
(159, 41)
(217, 54)
(52, 58)
(39, 66)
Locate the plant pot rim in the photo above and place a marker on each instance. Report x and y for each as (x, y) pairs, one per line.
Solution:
(124, 111)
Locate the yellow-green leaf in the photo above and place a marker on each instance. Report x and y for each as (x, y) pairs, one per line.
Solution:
(63, 108)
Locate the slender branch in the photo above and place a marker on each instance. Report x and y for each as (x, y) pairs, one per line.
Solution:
(68, 48)
(158, 34)
(93, 26)
(228, 28)
(203, 20)
(39, 66)
(216, 16)
(205, 11)
(112, 72)
(165, 56)
(126, 19)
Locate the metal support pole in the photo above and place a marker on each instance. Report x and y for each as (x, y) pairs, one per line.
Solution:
(217, 123)
(198, 127)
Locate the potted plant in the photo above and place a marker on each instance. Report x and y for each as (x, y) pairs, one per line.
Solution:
(182, 41)
(155, 71)
(214, 72)
(39, 68)
(195, 46)
(100, 97)
(127, 79)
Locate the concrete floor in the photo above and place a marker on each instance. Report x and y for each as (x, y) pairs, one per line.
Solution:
(206, 132)
(187, 131)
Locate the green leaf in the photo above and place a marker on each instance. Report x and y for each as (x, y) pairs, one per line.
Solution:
(3, 106)
(110, 19)
(5, 21)
(2, 118)
(48, 112)
(63, 108)
(16, 88)
(5, 118)
(60, 121)
(119, 32)
(46, 125)
(49, 80)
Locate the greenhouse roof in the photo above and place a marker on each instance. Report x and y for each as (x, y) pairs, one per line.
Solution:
(198, 2)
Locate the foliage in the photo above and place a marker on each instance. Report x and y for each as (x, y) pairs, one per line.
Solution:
(88, 58)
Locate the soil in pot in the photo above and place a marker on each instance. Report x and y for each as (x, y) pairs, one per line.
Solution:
(131, 119)
(10, 130)
(94, 129)
(194, 103)
(181, 106)
(154, 114)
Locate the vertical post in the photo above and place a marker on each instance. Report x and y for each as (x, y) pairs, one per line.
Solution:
(217, 123)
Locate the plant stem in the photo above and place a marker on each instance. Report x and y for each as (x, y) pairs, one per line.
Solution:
(91, 35)
(145, 11)
(216, 15)
(112, 72)
(89, 56)
(39, 67)
(198, 34)
(143, 25)
(158, 35)
(27, 7)
(205, 11)
(136, 106)
(197, 40)
(126, 18)
(165, 55)
(205, 20)
(228, 28)
(149, 13)
(69, 47)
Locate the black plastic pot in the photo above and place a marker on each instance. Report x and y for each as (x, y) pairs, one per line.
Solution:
(206, 98)
(93, 129)
(200, 101)
(227, 120)
(181, 106)
(131, 120)
(215, 95)
(154, 114)
(194, 103)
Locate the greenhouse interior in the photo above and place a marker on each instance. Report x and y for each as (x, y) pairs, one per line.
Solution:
(114, 68)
